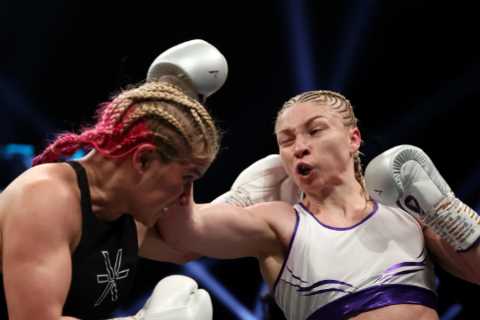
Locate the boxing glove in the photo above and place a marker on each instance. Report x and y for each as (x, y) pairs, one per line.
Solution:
(405, 176)
(176, 297)
(196, 61)
(265, 180)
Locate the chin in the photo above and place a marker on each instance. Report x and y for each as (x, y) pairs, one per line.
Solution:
(311, 185)
(305, 180)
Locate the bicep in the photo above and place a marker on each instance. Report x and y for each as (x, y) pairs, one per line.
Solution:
(222, 231)
(36, 266)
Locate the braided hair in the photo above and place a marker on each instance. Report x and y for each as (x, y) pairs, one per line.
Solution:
(157, 113)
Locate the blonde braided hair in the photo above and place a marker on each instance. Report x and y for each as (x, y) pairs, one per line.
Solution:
(154, 112)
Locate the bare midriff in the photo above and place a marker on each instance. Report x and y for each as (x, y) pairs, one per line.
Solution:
(399, 312)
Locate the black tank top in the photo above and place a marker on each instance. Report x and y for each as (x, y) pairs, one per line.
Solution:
(103, 264)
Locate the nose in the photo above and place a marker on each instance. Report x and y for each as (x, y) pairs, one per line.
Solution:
(301, 148)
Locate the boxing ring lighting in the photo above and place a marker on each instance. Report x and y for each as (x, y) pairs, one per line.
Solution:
(452, 312)
(299, 40)
(22, 151)
(197, 271)
(354, 35)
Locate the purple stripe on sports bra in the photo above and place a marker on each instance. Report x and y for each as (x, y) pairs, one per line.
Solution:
(374, 298)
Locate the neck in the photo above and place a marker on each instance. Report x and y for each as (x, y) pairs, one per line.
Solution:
(346, 200)
(106, 181)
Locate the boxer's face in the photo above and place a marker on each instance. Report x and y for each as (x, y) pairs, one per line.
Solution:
(162, 185)
(316, 147)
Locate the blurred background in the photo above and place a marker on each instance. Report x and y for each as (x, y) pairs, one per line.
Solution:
(410, 69)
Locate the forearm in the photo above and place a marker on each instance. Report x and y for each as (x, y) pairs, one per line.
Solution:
(189, 232)
(177, 228)
(463, 224)
(471, 260)
(154, 247)
(461, 264)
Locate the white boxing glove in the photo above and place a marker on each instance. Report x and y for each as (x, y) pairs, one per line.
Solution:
(176, 297)
(405, 176)
(197, 61)
(265, 180)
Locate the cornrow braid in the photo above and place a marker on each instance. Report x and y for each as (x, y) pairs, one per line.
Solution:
(158, 113)
(184, 100)
(198, 119)
(343, 107)
(152, 109)
(333, 99)
(171, 94)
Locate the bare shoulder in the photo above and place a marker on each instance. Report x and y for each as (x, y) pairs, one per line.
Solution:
(273, 209)
(280, 216)
(42, 196)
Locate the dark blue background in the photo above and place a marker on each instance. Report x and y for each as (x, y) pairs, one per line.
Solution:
(410, 68)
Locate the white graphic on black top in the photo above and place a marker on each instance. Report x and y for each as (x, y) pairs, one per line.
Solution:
(111, 277)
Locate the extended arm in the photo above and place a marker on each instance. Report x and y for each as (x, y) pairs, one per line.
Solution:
(220, 230)
(263, 181)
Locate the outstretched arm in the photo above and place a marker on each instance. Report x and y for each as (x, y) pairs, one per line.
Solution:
(220, 230)
(263, 181)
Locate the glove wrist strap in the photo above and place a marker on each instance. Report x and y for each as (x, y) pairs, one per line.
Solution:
(455, 222)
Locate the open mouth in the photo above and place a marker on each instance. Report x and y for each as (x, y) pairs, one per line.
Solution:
(304, 169)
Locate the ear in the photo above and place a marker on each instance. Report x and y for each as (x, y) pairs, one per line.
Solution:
(355, 139)
(143, 156)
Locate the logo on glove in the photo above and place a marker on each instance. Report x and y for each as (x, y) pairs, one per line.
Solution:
(412, 204)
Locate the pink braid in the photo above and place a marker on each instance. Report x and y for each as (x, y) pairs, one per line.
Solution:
(64, 145)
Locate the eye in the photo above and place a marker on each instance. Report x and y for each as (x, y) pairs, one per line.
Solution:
(315, 131)
(285, 141)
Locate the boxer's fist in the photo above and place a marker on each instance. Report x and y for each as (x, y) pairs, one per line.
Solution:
(196, 61)
(177, 297)
(405, 176)
(265, 180)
